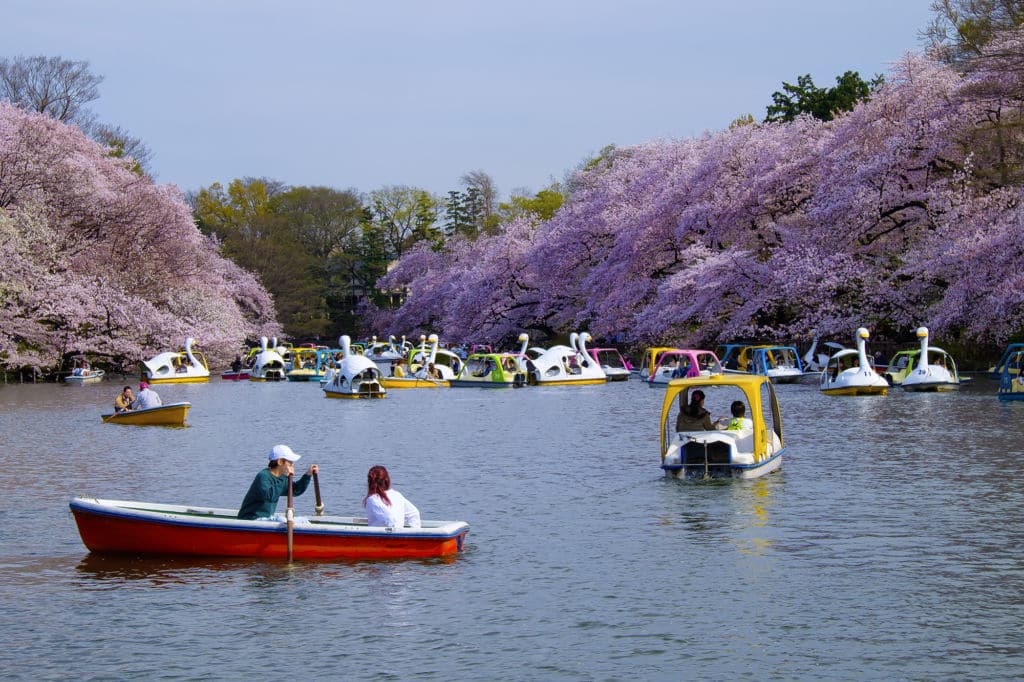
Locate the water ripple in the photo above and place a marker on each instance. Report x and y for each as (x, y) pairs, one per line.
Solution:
(887, 547)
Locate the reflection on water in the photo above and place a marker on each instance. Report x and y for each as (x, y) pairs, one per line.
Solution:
(758, 498)
(170, 570)
(888, 546)
(123, 568)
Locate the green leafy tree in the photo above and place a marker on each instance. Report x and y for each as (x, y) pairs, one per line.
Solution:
(322, 219)
(266, 242)
(540, 207)
(234, 214)
(404, 216)
(353, 275)
(327, 224)
(482, 200)
(458, 218)
(822, 103)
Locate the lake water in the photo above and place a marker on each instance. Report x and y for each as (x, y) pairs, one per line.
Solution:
(889, 545)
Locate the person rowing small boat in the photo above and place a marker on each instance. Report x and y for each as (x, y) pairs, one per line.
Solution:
(260, 501)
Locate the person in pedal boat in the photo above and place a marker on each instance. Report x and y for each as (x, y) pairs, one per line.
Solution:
(694, 417)
(260, 501)
(739, 419)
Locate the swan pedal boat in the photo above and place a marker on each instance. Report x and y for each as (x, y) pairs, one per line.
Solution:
(429, 352)
(937, 375)
(145, 528)
(268, 363)
(743, 453)
(850, 372)
(183, 367)
(566, 365)
(171, 414)
(354, 377)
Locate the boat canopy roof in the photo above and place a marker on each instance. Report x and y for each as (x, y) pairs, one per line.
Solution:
(653, 354)
(1003, 361)
(755, 388)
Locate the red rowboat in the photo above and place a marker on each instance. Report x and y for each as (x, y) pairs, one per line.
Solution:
(166, 529)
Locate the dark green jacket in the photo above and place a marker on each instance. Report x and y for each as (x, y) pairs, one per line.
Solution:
(261, 500)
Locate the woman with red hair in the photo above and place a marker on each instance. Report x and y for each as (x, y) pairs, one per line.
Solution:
(387, 507)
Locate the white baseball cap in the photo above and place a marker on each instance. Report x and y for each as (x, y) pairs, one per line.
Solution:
(283, 452)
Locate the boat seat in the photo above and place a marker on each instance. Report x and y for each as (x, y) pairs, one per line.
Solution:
(740, 441)
(745, 440)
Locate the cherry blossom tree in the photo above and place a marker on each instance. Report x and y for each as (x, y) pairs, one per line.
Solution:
(888, 216)
(100, 260)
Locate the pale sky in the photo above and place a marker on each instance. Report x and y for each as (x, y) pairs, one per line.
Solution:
(367, 94)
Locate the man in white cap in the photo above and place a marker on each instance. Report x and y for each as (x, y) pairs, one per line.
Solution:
(268, 486)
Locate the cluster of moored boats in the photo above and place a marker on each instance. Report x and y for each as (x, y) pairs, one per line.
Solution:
(369, 370)
(752, 447)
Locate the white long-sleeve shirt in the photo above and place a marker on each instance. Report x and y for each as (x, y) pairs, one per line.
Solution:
(401, 512)
(146, 399)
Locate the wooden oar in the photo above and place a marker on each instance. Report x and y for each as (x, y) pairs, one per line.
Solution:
(316, 491)
(290, 517)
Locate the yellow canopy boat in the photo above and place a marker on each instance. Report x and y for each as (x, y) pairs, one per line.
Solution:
(171, 414)
(749, 447)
